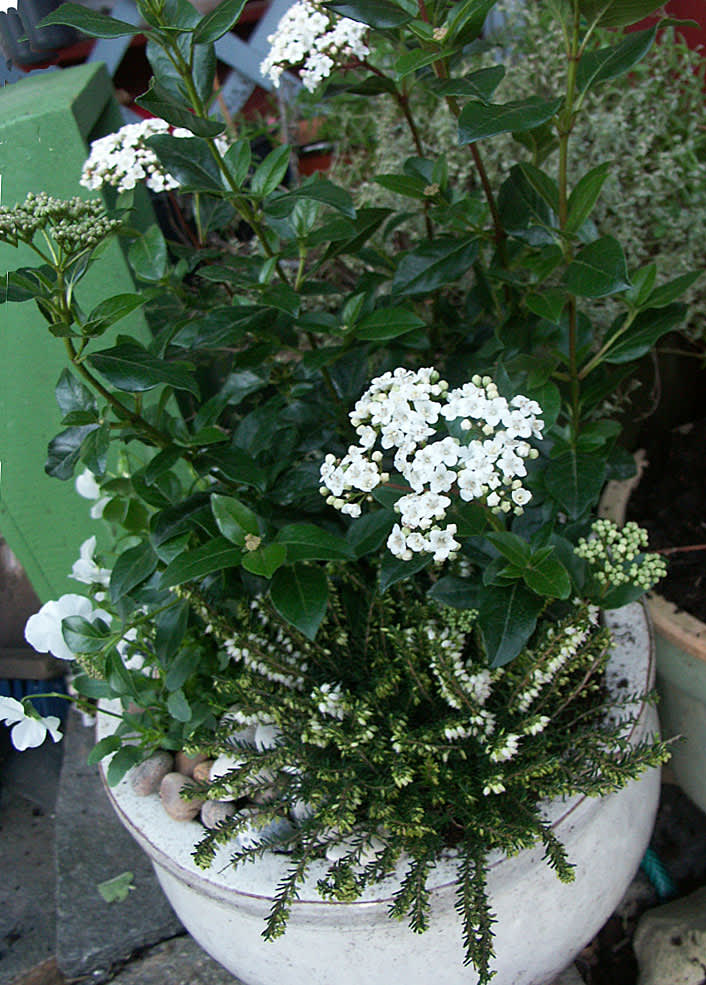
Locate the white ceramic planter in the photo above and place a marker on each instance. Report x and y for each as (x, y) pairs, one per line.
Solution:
(542, 923)
(680, 650)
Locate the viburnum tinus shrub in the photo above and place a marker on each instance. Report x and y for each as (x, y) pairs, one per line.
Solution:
(351, 476)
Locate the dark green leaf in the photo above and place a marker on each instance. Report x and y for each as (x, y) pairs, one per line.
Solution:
(25, 284)
(613, 61)
(667, 293)
(217, 555)
(479, 120)
(132, 567)
(513, 548)
(548, 576)
(369, 532)
(123, 760)
(171, 628)
(235, 465)
(585, 195)
(507, 618)
(238, 159)
(72, 395)
(412, 61)
(549, 304)
(189, 161)
(433, 265)
(89, 21)
(103, 748)
(89, 687)
(307, 542)
(133, 369)
(300, 596)
(646, 329)
(148, 255)
(113, 309)
(481, 84)
(82, 636)
(410, 186)
(461, 593)
(320, 190)
(65, 450)
(178, 707)
(598, 270)
(618, 13)
(161, 463)
(264, 561)
(393, 569)
(376, 13)
(465, 20)
(234, 519)
(184, 664)
(162, 104)
(270, 173)
(214, 25)
(94, 450)
(574, 480)
(387, 323)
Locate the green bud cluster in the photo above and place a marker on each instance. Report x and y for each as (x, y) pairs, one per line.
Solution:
(75, 225)
(615, 556)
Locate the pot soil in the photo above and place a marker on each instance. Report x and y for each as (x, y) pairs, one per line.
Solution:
(542, 923)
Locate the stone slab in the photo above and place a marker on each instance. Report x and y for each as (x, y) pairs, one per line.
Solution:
(92, 846)
(179, 961)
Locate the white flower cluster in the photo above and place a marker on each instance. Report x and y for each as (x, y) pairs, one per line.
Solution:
(286, 663)
(483, 460)
(563, 644)
(310, 36)
(123, 158)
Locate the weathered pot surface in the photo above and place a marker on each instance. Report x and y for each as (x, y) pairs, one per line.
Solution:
(680, 649)
(542, 923)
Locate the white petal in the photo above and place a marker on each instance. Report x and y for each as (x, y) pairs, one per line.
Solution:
(28, 734)
(11, 710)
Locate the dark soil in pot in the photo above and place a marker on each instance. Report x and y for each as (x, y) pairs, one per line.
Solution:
(670, 502)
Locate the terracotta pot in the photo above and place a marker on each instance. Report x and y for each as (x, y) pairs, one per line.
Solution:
(680, 649)
(542, 923)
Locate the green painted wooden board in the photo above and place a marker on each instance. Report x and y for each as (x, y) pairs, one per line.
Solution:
(46, 124)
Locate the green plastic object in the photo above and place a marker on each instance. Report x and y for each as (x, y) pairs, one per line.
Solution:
(46, 124)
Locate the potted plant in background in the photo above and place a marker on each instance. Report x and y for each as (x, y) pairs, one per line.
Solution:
(372, 587)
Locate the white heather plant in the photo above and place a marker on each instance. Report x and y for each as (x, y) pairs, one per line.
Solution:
(391, 670)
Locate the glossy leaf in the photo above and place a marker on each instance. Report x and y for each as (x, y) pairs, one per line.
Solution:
(113, 309)
(64, 451)
(132, 567)
(148, 255)
(369, 532)
(265, 560)
(434, 264)
(598, 270)
(178, 707)
(479, 120)
(189, 161)
(123, 760)
(574, 480)
(234, 519)
(218, 555)
(270, 173)
(300, 595)
(615, 60)
(461, 593)
(72, 395)
(82, 636)
(547, 576)
(218, 22)
(376, 13)
(393, 569)
(320, 190)
(512, 547)
(307, 542)
(585, 195)
(162, 104)
(646, 329)
(618, 13)
(480, 85)
(90, 22)
(133, 369)
(665, 294)
(238, 159)
(507, 618)
(387, 323)
(234, 464)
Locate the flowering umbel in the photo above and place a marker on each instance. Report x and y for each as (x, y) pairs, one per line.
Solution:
(480, 457)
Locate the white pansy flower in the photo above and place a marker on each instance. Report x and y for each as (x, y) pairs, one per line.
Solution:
(28, 728)
(86, 569)
(43, 629)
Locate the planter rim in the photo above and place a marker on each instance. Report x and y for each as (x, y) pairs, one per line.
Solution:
(676, 625)
(164, 838)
